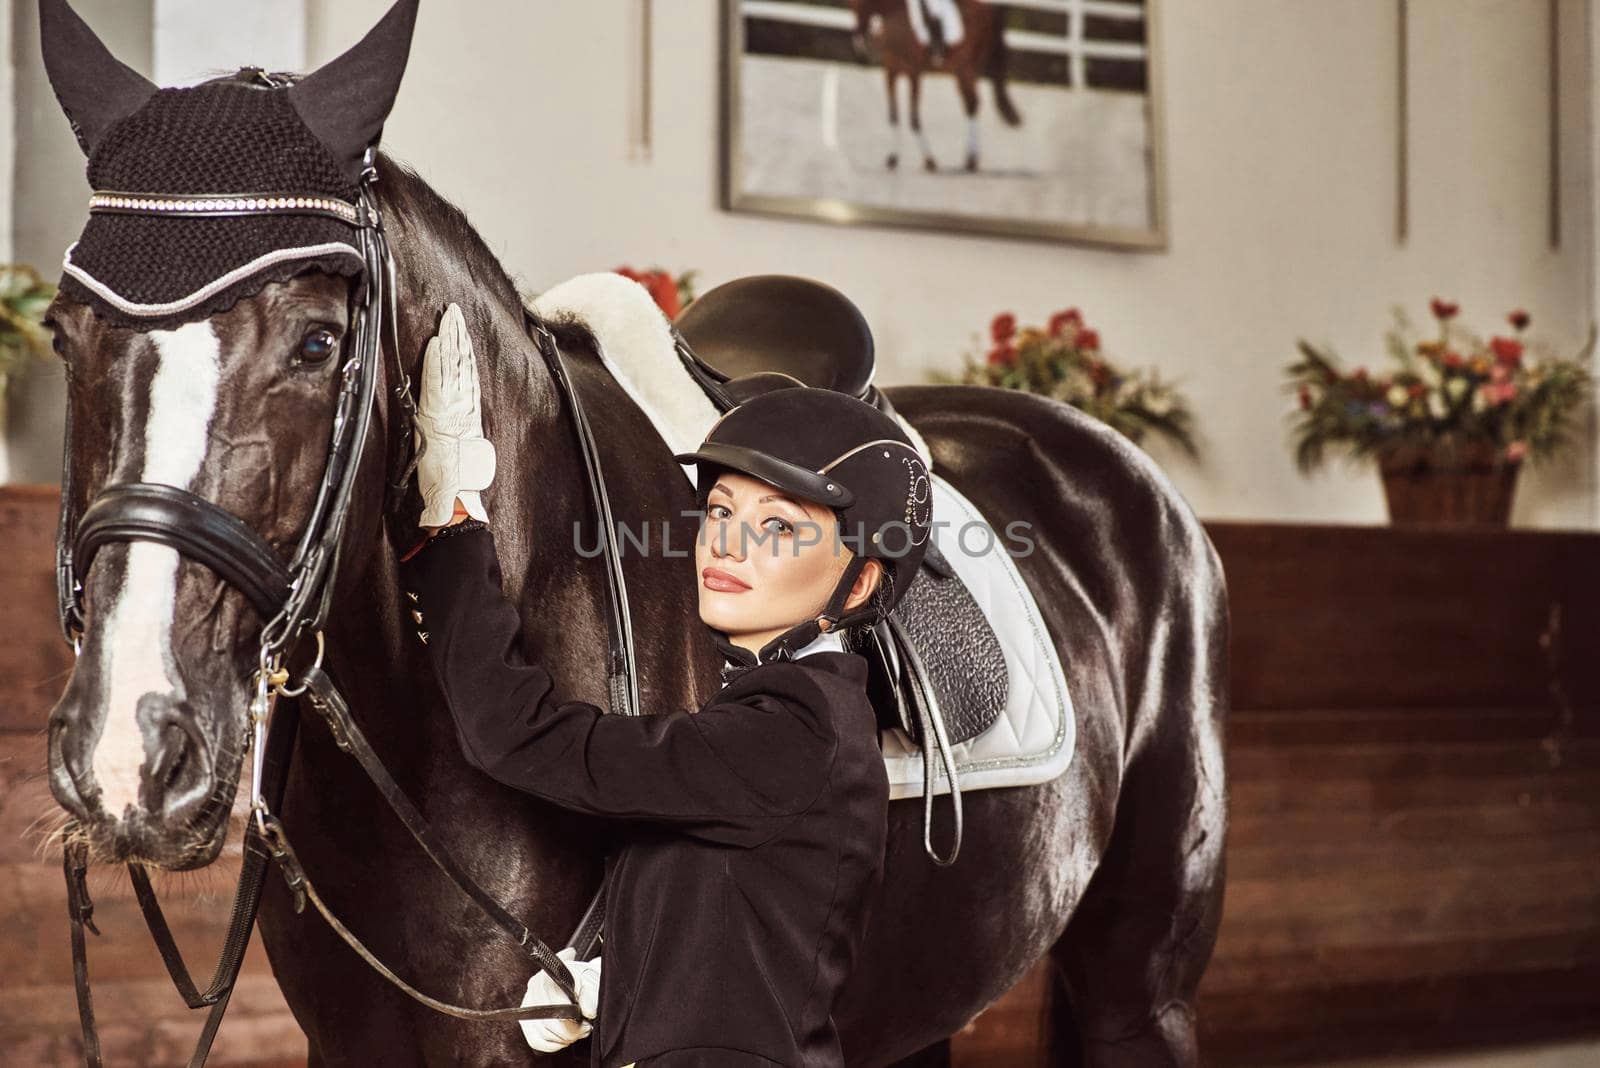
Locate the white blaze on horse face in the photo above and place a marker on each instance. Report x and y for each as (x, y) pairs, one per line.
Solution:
(183, 397)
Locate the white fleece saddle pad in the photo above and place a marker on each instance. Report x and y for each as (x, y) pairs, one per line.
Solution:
(1032, 739)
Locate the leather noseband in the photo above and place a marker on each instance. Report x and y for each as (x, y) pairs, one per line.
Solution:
(196, 528)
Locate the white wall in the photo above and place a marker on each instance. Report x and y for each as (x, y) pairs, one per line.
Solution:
(50, 206)
(1281, 177)
(196, 39)
(1280, 149)
(8, 141)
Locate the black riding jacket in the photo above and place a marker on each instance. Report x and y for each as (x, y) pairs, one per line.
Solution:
(752, 837)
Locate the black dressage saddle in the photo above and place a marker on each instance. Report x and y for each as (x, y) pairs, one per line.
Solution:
(784, 325)
(936, 668)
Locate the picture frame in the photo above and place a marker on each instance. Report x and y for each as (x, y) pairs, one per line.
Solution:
(787, 150)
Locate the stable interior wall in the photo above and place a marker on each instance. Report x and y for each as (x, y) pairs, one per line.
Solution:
(51, 202)
(1281, 163)
(1280, 121)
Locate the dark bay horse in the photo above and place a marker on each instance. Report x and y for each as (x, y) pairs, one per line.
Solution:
(1114, 869)
(980, 53)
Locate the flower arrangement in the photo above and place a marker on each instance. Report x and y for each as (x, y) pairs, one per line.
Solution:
(671, 294)
(1453, 400)
(1063, 360)
(23, 299)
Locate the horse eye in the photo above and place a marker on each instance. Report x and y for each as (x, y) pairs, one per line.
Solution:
(318, 345)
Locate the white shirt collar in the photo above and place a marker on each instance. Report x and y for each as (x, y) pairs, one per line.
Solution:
(827, 642)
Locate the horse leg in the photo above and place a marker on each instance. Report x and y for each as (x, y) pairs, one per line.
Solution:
(1133, 953)
(891, 82)
(928, 162)
(967, 83)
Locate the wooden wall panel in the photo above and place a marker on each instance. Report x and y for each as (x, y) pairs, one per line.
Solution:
(142, 1019)
(34, 658)
(1414, 849)
(1333, 617)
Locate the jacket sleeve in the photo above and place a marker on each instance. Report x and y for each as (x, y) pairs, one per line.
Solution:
(731, 772)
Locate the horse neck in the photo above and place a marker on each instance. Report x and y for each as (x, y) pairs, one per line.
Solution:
(539, 485)
(541, 489)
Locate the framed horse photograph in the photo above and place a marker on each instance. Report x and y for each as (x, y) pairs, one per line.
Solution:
(1031, 118)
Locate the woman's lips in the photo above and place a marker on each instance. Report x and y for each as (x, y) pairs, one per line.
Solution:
(717, 579)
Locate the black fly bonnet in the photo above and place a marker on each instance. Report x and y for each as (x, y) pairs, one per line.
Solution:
(203, 196)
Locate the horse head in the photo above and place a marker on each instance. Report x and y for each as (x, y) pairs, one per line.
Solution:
(214, 367)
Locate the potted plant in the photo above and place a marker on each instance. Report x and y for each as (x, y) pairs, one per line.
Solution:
(23, 299)
(1452, 424)
(1063, 360)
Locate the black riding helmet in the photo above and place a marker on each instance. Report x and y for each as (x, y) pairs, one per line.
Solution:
(830, 448)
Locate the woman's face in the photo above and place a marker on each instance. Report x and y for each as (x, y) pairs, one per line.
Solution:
(767, 561)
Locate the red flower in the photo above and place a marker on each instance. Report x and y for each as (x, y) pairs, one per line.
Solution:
(1061, 319)
(661, 286)
(664, 288)
(1003, 353)
(1451, 359)
(1003, 327)
(1444, 309)
(1416, 389)
(1305, 398)
(1506, 349)
(1499, 392)
(1519, 319)
(1088, 340)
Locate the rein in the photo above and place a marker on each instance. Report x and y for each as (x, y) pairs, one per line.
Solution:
(295, 600)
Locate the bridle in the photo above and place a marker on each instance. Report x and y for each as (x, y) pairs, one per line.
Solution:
(294, 599)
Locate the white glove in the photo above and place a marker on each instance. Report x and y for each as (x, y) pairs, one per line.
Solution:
(547, 1036)
(458, 460)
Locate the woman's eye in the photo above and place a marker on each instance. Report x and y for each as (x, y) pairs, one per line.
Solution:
(318, 345)
(783, 524)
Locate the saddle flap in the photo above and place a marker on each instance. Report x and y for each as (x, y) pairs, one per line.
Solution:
(958, 652)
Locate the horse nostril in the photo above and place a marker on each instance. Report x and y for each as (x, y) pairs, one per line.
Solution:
(65, 781)
(179, 780)
(171, 756)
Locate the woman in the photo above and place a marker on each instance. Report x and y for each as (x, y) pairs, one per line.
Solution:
(753, 829)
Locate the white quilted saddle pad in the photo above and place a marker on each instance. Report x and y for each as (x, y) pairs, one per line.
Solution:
(1032, 739)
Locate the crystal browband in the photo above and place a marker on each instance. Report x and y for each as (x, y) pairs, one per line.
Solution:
(222, 204)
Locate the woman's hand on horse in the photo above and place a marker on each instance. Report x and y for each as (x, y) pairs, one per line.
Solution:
(460, 515)
(547, 1036)
(457, 461)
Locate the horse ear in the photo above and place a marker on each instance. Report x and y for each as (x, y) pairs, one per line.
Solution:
(94, 87)
(345, 101)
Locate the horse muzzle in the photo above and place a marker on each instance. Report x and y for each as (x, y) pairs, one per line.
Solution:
(166, 805)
